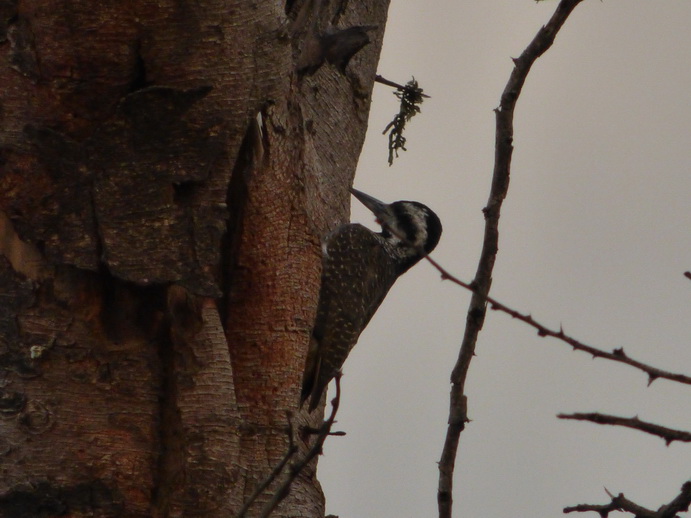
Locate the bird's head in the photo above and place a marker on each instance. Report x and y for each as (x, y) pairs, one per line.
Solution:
(413, 228)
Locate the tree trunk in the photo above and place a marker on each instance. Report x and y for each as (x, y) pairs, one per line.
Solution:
(167, 172)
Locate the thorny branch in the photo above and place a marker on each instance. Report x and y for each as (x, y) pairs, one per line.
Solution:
(295, 469)
(617, 355)
(621, 503)
(668, 434)
(483, 277)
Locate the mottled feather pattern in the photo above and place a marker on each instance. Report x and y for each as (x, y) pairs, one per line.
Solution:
(354, 284)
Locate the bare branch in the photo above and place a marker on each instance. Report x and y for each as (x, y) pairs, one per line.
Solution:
(668, 434)
(295, 469)
(618, 503)
(602, 510)
(483, 277)
(617, 355)
(621, 503)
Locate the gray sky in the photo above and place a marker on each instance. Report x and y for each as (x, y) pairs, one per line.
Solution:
(595, 235)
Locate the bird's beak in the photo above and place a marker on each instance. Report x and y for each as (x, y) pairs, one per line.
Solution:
(381, 210)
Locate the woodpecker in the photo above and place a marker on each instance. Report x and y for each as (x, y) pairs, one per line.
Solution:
(359, 268)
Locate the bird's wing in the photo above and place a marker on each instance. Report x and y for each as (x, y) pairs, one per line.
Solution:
(356, 276)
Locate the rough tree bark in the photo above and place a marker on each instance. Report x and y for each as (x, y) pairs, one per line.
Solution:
(167, 170)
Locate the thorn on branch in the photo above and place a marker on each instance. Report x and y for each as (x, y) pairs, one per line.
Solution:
(669, 435)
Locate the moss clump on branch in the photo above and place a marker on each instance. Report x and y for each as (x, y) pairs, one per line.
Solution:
(411, 97)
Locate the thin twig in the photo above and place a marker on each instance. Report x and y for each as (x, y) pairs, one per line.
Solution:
(621, 503)
(382, 80)
(278, 469)
(668, 434)
(295, 469)
(483, 277)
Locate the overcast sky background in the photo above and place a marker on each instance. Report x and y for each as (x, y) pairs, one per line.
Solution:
(595, 235)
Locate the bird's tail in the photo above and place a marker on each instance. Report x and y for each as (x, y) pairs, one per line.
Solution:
(312, 386)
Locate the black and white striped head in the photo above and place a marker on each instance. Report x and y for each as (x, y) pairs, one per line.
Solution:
(409, 228)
